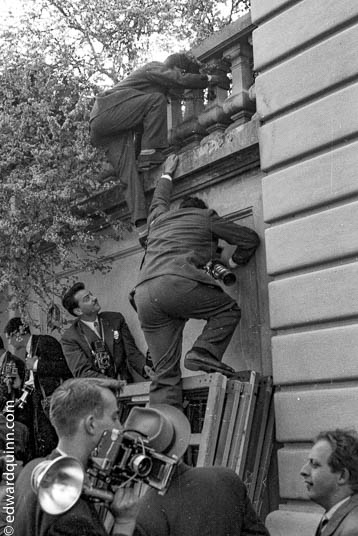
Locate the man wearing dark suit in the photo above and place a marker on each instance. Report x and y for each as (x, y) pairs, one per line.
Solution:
(99, 344)
(331, 477)
(46, 369)
(173, 286)
(81, 409)
(139, 102)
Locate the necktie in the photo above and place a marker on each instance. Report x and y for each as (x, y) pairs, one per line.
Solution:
(97, 327)
(323, 523)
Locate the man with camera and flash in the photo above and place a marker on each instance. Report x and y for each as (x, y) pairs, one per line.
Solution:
(81, 410)
(174, 285)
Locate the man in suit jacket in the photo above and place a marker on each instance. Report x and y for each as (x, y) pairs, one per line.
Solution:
(139, 103)
(331, 477)
(173, 286)
(81, 409)
(99, 344)
(46, 368)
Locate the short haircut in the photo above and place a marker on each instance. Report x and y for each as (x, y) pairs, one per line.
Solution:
(76, 398)
(16, 325)
(184, 62)
(344, 444)
(192, 202)
(68, 301)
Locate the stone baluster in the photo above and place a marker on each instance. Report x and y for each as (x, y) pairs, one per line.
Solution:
(214, 118)
(190, 132)
(174, 115)
(239, 106)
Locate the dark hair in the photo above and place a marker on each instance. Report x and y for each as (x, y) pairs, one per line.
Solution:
(68, 301)
(16, 325)
(194, 202)
(344, 455)
(74, 399)
(184, 62)
(1, 344)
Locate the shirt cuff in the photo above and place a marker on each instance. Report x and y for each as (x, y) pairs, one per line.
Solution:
(34, 368)
(166, 176)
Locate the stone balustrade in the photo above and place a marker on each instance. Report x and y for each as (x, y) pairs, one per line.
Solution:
(195, 114)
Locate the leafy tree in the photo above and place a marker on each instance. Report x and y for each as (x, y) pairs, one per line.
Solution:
(53, 63)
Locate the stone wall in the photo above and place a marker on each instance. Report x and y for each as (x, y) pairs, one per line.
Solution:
(307, 94)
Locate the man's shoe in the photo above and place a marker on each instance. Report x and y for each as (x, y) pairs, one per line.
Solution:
(146, 161)
(206, 362)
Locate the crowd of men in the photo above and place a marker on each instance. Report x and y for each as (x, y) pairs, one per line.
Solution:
(65, 392)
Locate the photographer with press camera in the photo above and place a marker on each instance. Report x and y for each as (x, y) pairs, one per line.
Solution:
(175, 284)
(81, 410)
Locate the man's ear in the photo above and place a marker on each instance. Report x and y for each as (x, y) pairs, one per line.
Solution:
(90, 425)
(344, 477)
(77, 311)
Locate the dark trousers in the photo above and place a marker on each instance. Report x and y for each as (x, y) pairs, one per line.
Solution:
(164, 305)
(114, 130)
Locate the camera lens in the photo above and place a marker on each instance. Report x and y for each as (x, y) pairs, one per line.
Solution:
(141, 465)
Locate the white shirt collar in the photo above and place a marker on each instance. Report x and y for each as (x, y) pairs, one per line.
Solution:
(28, 346)
(334, 508)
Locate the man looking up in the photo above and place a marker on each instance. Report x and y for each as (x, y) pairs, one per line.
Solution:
(173, 286)
(331, 477)
(81, 410)
(99, 344)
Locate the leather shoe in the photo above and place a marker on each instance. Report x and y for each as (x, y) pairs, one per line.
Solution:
(205, 362)
(146, 161)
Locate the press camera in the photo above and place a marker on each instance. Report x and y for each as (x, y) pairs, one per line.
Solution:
(102, 358)
(218, 271)
(123, 456)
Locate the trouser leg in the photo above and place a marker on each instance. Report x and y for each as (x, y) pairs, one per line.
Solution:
(120, 152)
(163, 335)
(135, 110)
(180, 297)
(155, 127)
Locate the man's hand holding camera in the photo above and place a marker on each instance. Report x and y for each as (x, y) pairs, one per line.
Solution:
(124, 507)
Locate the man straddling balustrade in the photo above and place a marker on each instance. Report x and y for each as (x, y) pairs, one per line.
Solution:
(138, 104)
(174, 285)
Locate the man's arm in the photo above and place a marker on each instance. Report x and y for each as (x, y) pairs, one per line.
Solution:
(162, 193)
(79, 363)
(246, 239)
(174, 79)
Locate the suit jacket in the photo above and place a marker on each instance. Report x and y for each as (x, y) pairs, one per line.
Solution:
(182, 241)
(31, 520)
(52, 369)
(154, 77)
(344, 521)
(77, 343)
(210, 501)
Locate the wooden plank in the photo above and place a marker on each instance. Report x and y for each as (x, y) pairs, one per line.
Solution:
(213, 414)
(240, 464)
(257, 436)
(267, 448)
(233, 392)
(241, 423)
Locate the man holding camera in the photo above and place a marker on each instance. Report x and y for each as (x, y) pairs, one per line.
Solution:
(173, 286)
(81, 410)
(99, 344)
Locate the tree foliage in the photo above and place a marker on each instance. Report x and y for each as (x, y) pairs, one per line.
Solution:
(53, 63)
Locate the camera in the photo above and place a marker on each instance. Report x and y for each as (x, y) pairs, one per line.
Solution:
(218, 271)
(124, 456)
(102, 359)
